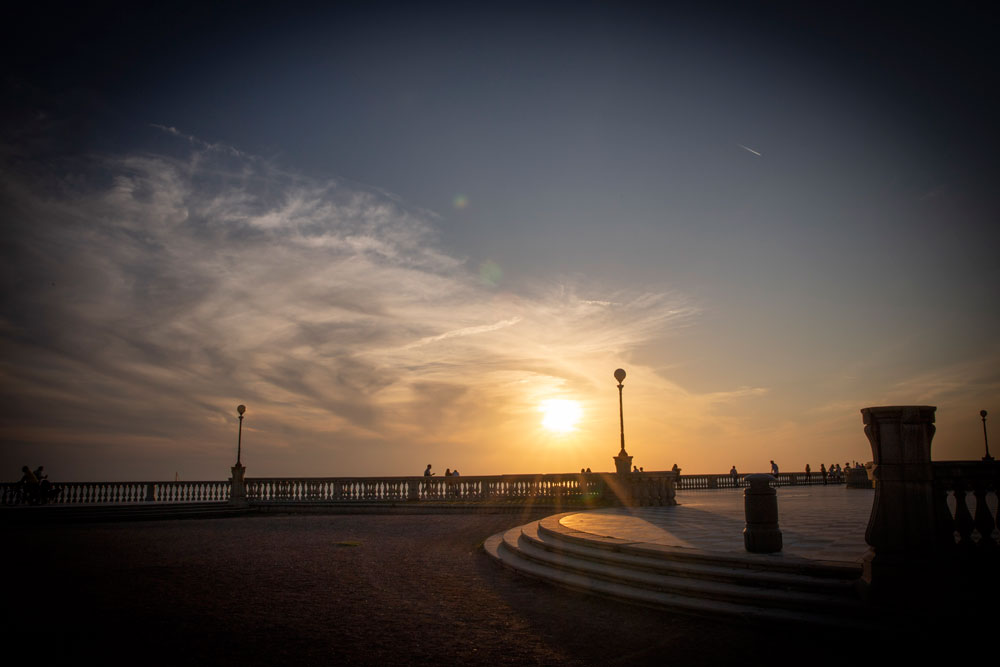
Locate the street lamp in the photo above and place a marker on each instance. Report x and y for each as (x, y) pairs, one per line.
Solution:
(239, 438)
(623, 462)
(982, 413)
(620, 376)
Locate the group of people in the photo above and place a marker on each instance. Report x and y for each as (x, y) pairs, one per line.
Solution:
(834, 474)
(34, 486)
(448, 472)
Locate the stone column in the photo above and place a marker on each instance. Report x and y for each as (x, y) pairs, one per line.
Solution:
(901, 528)
(238, 491)
(623, 463)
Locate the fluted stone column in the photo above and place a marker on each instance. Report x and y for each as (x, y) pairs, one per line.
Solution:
(901, 528)
(238, 491)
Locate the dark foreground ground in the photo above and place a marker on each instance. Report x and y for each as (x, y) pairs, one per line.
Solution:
(328, 590)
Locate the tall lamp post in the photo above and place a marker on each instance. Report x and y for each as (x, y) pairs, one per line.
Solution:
(239, 438)
(982, 413)
(623, 462)
(238, 487)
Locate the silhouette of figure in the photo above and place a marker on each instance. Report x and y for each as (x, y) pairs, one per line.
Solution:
(588, 471)
(808, 473)
(28, 486)
(454, 473)
(447, 472)
(427, 471)
(735, 475)
(635, 468)
(822, 471)
(675, 469)
(774, 468)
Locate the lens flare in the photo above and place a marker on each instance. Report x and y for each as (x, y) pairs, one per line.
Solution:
(460, 202)
(490, 273)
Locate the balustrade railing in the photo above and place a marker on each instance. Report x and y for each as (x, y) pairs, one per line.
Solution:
(728, 482)
(121, 493)
(567, 488)
(966, 507)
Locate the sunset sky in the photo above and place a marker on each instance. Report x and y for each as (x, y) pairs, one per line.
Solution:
(395, 230)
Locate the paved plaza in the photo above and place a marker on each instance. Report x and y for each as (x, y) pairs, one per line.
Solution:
(819, 522)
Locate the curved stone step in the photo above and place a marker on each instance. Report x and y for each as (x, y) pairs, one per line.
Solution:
(695, 568)
(739, 592)
(552, 527)
(496, 547)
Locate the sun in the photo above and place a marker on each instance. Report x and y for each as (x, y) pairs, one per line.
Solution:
(560, 415)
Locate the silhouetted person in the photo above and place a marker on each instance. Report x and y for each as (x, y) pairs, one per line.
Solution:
(588, 471)
(735, 475)
(808, 473)
(447, 472)
(676, 469)
(774, 468)
(427, 471)
(822, 471)
(635, 468)
(28, 485)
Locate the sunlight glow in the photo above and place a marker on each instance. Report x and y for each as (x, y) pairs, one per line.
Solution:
(560, 415)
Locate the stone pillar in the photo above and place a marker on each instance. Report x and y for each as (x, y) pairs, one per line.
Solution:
(760, 503)
(238, 490)
(901, 528)
(623, 463)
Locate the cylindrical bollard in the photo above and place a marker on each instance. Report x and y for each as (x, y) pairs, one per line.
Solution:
(761, 535)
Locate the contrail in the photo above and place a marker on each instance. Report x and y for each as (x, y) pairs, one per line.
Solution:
(749, 149)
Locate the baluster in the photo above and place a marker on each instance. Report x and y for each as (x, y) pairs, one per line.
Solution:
(963, 519)
(984, 521)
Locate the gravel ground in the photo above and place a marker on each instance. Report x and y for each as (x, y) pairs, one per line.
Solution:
(319, 590)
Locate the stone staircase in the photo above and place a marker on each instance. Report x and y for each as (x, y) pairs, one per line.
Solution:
(750, 587)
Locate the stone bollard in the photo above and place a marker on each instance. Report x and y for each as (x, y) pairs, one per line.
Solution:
(761, 535)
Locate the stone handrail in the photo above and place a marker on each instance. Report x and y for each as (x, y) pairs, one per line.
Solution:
(726, 481)
(648, 488)
(964, 522)
(124, 493)
(564, 489)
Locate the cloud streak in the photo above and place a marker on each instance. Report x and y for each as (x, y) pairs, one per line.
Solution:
(145, 294)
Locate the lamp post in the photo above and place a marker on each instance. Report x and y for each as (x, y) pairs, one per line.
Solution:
(239, 438)
(623, 462)
(982, 413)
(238, 488)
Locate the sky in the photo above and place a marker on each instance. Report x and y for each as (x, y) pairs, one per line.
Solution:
(397, 232)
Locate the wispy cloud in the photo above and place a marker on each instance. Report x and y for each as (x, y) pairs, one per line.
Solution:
(146, 295)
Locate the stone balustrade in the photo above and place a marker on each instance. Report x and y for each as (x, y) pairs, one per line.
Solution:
(126, 493)
(966, 496)
(561, 489)
(687, 482)
(569, 489)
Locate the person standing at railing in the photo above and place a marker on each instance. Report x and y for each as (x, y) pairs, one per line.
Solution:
(822, 471)
(774, 468)
(808, 474)
(735, 475)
